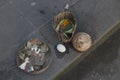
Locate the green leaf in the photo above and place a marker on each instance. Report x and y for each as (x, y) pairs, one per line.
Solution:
(69, 31)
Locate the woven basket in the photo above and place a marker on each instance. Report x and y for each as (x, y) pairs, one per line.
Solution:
(64, 15)
(81, 41)
(48, 56)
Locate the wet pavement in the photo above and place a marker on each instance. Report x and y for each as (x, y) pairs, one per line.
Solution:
(21, 20)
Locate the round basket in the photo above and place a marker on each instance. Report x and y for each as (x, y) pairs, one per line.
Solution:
(35, 63)
(58, 18)
(81, 41)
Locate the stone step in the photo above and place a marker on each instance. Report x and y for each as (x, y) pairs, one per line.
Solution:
(100, 19)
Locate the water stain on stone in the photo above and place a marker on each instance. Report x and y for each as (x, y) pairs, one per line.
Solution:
(55, 6)
(42, 12)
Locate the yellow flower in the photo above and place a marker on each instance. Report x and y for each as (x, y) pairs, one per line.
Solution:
(65, 22)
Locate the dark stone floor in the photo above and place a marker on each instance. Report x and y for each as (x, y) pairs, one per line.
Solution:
(22, 19)
(102, 64)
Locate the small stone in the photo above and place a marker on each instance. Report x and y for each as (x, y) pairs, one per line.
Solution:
(61, 48)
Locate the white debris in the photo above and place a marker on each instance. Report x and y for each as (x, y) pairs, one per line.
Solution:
(32, 69)
(33, 3)
(67, 6)
(23, 65)
(38, 51)
(34, 48)
(61, 48)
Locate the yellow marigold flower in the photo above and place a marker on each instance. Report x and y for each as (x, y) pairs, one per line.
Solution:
(65, 22)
